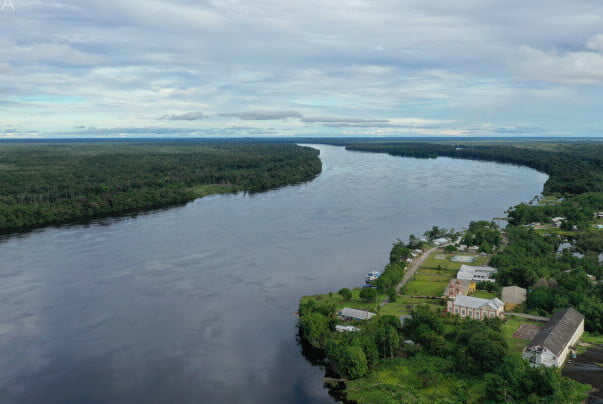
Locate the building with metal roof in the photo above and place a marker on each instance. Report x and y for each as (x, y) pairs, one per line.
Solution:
(354, 314)
(475, 307)
(476, 274)
(513, 296)
(553, 342)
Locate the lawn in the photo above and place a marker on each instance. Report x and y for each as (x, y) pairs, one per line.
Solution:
(405, 304)
(484, 295)
(592, 338)
(510, 325)
(449, 273)
(425, 285)
(402, 380)
(355, 302)
(433, 263)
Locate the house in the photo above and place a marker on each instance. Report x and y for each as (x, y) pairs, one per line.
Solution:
(474, 307)
(558, 220)
(346, 328)
(440, 241)
(562, 247)
(459, 287)
(473, 248)
(553, 342)
(513, 296)
(462, 247)
(476, 274)
(353, 314)
(404, 319)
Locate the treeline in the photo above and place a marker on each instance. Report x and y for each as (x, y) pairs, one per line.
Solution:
(578, 210)
(571, 170)
(556, 280)
(57, 183)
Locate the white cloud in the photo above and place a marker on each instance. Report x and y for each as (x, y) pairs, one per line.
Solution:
(595, 43)
(567, 68)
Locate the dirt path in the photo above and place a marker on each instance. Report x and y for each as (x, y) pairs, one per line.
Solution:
(410, 272)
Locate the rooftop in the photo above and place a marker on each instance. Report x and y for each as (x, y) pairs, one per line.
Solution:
(478, 303)
(355, 313)
(556, 334)
(513, 294)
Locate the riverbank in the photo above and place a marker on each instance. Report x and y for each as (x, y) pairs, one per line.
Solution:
(431, 345)
(62, 183)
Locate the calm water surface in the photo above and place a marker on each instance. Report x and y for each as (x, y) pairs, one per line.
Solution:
(196, 303)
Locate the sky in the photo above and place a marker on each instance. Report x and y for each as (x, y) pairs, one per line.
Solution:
(229, 68)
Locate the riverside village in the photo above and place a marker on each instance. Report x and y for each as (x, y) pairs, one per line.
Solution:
(457, 295)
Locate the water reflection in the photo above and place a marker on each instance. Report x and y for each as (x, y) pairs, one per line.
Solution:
(196, 303)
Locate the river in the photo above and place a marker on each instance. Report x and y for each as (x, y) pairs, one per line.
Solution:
(196, 303)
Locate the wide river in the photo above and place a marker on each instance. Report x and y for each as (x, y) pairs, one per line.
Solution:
(195, 304)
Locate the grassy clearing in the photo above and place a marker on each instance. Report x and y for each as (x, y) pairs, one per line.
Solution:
(592, 338)
(510, 325)
(355, 302)
(401, 380)
(422, 285)
(484, 295)
(404, 305)
(433, 263)
(449, 273)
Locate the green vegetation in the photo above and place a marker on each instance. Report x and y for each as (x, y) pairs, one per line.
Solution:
(456, 360)
(432, 262)
(484, 234)
(57, 183)
(427, 285)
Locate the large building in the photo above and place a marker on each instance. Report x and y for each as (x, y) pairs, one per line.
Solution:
(553, 342)
(476, 274)
(513, 296)
(475, 307)
(353, 314)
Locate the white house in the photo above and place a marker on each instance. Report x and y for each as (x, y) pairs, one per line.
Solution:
(346, 328)
(475, 307)
(441, 241)
(353, 314)
(476, 274)
(553, 342)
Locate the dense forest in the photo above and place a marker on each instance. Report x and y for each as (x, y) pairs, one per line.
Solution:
(50, 183)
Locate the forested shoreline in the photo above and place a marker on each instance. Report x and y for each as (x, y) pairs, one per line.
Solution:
(574, 168)
(551, 248)
(42, 184)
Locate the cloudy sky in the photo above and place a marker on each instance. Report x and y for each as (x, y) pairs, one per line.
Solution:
(301, 68)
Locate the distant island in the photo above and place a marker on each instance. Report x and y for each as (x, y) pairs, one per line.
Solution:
(53, 183)
(480, 315)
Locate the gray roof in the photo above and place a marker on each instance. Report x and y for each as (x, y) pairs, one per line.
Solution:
(357, 314)
(478, 303)
(563, 246)
(556, 334)
(513, 294)
(472, 273)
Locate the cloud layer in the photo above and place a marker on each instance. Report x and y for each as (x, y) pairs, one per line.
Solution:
(308, 68)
